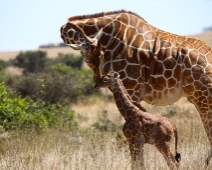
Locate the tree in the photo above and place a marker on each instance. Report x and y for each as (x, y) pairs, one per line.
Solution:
(3, 64)
(70, 60)
(31, 61)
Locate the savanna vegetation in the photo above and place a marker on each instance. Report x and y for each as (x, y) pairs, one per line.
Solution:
(51, 118)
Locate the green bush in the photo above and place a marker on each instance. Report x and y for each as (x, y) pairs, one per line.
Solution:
(18, 113)
(104, 124)
(63, 85)
(37, 61)
(70, 60)
(3, 64)
(63, 69)
(31, 61)
(12, 110)
(83, 78)
(52, 116)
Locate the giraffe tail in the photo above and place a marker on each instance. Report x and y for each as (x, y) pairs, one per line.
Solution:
(177, 155)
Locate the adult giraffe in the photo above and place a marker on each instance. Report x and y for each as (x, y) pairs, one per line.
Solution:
(155, 66)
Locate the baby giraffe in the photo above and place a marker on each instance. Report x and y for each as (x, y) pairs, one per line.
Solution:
(141, 127)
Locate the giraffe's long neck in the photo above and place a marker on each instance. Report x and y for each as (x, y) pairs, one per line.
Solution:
(123, 100)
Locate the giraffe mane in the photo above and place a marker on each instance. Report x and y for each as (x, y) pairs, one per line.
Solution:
(102, 14)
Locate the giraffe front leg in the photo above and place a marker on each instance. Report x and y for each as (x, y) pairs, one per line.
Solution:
(204, 107)
(206, 120)
(136, 151)
(197, 85)
(136, 143)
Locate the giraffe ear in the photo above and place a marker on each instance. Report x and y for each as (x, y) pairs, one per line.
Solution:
(76, 46)
(94, 41)
(98, 36)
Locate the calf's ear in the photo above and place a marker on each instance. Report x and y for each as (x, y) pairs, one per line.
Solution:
(76, 46)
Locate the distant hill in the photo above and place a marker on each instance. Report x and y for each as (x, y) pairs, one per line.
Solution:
(51, 52)
(53, 49)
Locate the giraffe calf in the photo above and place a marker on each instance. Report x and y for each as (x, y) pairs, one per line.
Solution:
(141, 127)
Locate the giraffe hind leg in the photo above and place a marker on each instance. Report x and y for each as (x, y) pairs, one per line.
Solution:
(165, 150)
(207, 160)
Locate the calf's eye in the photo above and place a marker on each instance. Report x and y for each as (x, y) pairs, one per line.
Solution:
(105, 80)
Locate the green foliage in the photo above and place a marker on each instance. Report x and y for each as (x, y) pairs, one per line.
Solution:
(63, 85)
(3, 64)
(54, 87)
(61, 68)
(17, 112)
(8, 79)
(37, 61)
(70, 60)
(31, 61)
(81, 80)
(12, 110)
(104, 124)
(39, 98)
(51, 116)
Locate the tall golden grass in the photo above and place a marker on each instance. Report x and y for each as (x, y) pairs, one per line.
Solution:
(90, 149)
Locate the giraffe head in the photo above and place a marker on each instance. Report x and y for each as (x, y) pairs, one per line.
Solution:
(90, 48)
(76, 38)
(107, 80)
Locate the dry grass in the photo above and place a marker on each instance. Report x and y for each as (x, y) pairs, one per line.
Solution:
(13, 70)
(92, 150)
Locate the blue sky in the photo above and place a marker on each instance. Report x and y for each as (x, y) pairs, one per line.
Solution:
(26, 24)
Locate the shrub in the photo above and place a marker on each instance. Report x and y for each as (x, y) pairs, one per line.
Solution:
(62, 85)
(50, 88)
(104, 124)
(37, 61)
(70, 60)
(12, 110)
(17, 112)
(83, 79)
(3, 64)
(52, 116)
(31, 61)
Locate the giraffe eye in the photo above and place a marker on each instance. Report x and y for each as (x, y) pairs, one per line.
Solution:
(105, 80)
